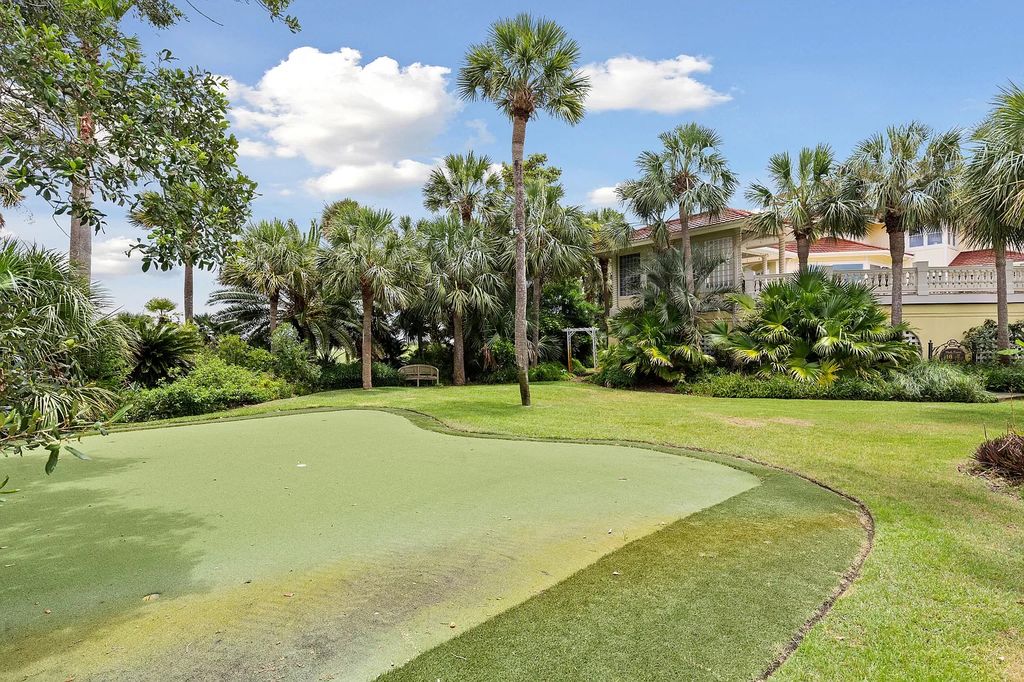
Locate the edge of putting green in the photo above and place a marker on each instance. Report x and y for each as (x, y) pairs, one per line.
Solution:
(764, 471)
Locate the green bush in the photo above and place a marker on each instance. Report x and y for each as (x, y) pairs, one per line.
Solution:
(982, 339)
(163, 350)
(925, 382)
(613, 376)
(212, 385)
(578, 368)
(339, 375)
(293, 358)
(549, 371)
(234, 350)
(1003, 378)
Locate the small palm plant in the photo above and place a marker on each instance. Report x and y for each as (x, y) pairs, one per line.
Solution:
(814, 328)
(366, 254)
(526, 66)
(689, 173)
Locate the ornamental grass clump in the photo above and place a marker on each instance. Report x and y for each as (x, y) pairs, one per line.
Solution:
(1002, 456)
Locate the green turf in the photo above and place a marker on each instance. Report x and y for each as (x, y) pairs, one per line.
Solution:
(338, 543)
(940, 594)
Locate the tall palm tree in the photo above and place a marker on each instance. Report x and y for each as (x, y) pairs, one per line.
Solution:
(462, 278)
(462, 185)
(690, 173)
(991, 203)
(366, 253)
(267, 260)
(907, 176)
(810, 201)
(609, 231)
(527, 65)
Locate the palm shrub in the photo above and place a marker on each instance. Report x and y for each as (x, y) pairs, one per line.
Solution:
(161, 350)
(814, 328)
(293, 359)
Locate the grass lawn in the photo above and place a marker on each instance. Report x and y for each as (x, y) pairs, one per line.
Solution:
(336, 543)
(940, 596)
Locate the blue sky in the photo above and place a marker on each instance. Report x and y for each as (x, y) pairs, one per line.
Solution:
(323, 123)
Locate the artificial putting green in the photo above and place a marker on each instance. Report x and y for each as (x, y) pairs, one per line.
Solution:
(309, 546)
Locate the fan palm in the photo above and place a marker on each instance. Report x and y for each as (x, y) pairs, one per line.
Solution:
(810, 201)
(463, 186)
(906, 176)
(462, 278)
(366, 253)
(690, 173)
(609, 231)
(267, 260)
(991, 206)
(527, 65)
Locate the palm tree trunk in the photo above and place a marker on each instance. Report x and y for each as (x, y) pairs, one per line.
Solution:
(803, 251)
(459, 360)
(606, 292)
(522, 351)
(367, 337)
(782, 253)
(189, 293)
(538, 292)
(897, 247)
(1002, 309)
(684, 224)
(80, 246)
(275, 302)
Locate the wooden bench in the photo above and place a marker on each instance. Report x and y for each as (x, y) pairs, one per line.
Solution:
(419, 373)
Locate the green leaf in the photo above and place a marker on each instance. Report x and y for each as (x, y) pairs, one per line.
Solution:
(78, 453)
(51, 461)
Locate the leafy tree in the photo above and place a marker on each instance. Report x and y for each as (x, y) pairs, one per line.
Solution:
(162, 307)
(609, 232)
(463, 186)
(293, 359)
(991, 203)
(462, 278)
(906, 176)
(535, 168)
(810, 201)
(365, 253)
(815, 328)
(689, 172)
(526, 66)
(52, 325)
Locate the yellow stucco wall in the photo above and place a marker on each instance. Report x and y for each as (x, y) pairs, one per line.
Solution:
(940, 322)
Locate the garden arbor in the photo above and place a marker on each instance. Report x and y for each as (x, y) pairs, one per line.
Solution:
(572, 331)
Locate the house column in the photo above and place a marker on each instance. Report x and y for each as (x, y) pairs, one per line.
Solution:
(737, 259)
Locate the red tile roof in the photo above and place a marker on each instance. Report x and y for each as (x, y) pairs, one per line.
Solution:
(830, 245)
(984, 257)
(696, 220)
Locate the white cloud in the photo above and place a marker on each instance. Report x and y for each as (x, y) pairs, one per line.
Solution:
(375, 178)
(603, 196)
(365, 124)
(253, 148)
(109, 256)
(7, 233)
(481, 135)
(665, 86)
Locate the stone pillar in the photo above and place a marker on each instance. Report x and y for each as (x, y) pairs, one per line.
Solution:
(921, 268)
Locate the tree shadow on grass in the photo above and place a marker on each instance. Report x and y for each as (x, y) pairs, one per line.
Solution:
(75, 560)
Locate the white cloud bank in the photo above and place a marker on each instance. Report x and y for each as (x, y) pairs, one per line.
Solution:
(603, 196)
(109, 256)
(667, 86)
(363, 124)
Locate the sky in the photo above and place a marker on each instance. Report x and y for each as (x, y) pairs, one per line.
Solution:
(362, 103)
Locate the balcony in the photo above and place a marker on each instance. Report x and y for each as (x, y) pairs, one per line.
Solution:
(921, 283)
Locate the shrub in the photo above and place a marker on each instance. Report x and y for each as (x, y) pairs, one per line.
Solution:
(1003, 378)
(212, 385)
(613, 376)
(926, 382)
(293, 359)
(578, 367)
(982, 339)
(234, 350)
(340, 375)
(162, 349)
(1003, 456)
(549, 371)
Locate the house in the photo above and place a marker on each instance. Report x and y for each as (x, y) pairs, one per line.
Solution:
(948, 287)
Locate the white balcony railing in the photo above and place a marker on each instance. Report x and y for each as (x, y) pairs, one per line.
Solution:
(918, 280)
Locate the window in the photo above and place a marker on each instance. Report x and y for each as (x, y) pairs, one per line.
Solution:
(926, 236)
(719, 251)
(629, 275)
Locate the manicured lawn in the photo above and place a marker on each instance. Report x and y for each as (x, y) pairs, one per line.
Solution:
(336, 543)
(940, 594)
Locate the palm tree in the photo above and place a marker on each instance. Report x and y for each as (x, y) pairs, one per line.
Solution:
(366, 253)
(527, 65)
(609, 232)
(991, 205)
(464, 186)
(811, 203)
(690, 173)
(267, 260)
(462, 278)
(906, 177)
